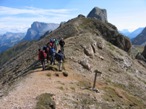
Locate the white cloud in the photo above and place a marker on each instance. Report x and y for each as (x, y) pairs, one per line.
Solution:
(18, 19)
(33, 11)
(13, 28)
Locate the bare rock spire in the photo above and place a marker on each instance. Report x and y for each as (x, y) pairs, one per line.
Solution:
(98, 13)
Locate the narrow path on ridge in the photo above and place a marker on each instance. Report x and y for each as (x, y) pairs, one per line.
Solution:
(23, 96)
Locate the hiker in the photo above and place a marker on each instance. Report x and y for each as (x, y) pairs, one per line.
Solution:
(55, 43)
(60, 58)
(52, 55)
(62, 43)
(46, 49)
(50, 43)
(41, 58)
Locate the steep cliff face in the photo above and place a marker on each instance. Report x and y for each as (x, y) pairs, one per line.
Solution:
(38, 29)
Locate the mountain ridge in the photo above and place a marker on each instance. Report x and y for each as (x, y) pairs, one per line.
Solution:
(91, 45)
(69, 29)
(140, 39)
(132, 34)
(37, 30)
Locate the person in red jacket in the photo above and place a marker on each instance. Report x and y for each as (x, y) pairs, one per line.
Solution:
(41, 58)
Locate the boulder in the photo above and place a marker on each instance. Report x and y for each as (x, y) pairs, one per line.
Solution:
(85, 64)
(45, 101)
(88, 50)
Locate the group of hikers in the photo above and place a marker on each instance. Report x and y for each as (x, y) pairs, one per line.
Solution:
(49, 53)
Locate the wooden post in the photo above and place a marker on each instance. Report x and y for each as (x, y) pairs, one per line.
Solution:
(94, 80)
(96, 73)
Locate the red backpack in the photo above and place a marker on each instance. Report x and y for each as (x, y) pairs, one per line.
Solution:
(42, 55)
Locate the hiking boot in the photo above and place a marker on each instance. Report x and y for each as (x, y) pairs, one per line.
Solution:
(43, 69)
(60, 70)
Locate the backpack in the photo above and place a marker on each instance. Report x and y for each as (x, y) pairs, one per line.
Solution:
(45, 54)
(62, 43)
(45, 49)
(51, 51)
(59, 56)
(42, 55)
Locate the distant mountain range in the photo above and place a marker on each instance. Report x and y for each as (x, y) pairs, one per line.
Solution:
(137, 37)
(140, 39)
(136, 32)
(125, 32)
(36, 30)
(132, 34)
(9, 39)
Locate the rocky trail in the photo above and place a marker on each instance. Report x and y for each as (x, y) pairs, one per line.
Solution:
(69, 92)
(24, 93)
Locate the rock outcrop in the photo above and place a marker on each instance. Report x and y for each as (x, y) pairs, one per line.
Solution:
(45, 101)
(99, 14)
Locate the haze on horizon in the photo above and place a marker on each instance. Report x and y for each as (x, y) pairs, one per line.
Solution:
(18, 15)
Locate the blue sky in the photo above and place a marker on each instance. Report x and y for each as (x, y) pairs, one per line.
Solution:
(18, 15)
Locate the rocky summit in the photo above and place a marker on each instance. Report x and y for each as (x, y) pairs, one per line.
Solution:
(99, 14)
(91, 47)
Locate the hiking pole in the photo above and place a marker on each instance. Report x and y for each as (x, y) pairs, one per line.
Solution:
(97, 73)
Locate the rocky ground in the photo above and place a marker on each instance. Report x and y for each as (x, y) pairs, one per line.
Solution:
(120, 86)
